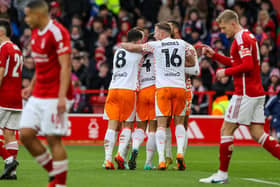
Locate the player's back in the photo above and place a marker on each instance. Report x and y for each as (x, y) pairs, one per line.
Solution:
(169, 57)
(47, 46)
(249, 83)
(147, 71)
(10, 91)
(125, 70)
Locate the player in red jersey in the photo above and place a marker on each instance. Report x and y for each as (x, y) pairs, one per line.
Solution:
(46, 110)
(247, 104)
(11, 62)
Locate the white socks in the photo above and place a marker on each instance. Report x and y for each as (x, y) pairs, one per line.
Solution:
(180, 137)
(186, 142)
(137, 138)
(160, 142)
(168, 146)
(124, 142)
(109, 142)
(150, 148)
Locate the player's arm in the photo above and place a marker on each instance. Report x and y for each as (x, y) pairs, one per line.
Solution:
(26, 92)
(132, 47)
(191, 62)
(2, 71)
(65, 74)
(208, 51)
(246, 65)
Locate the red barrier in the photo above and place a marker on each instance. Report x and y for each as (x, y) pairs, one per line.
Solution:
(202, 130)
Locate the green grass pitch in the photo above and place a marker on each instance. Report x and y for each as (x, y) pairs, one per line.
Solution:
(86, 160)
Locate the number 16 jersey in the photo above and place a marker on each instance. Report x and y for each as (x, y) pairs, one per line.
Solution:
(125, 70)
(169, 55)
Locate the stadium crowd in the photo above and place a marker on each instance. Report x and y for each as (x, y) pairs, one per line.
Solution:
(97, 27)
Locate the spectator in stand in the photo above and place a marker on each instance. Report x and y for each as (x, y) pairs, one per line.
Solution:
(244, 22)
(141, 22)
(266, 54)
(272, 111)
(25, 38)
(101, 78)
(55, 11)
(260, 35)
(265, 75)
(79, 69)
(77, 37)
(222, 85)
(124, 28)
(28, 68)
(169, 11)
(266, 23)
(71, 8)
(113, 5)
(199, 101)
(207, 73)
(108, 19)
(274, 81)
(99, 56)
(149, 10)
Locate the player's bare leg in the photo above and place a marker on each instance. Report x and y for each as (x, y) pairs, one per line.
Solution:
(268, 142)
(11, 147)
(168, 145)
(186, 123)
(109, 142)
(150, 145)
(124, 141)
(36, 149)
(226, 149)
(137, 139)
(161, 139)
(180, 133)
(60, 162)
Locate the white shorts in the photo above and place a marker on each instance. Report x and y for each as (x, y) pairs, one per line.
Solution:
(245, 110)
(9, 119)
(41, 115)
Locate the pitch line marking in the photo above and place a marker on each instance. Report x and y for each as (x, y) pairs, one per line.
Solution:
(261, 181)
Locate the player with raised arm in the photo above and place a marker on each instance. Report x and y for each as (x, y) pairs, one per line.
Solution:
(120, 106)
(247, 104)
(46, 110)
(145, 112)
(11, 62)
(192, 69)
(170, 99)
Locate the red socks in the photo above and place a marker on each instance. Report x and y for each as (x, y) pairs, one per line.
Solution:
(270, 144)
(226, 149)
(4, 153)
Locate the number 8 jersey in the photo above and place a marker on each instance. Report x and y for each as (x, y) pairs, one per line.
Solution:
(169, 57)
(125, 70)
(10, 91)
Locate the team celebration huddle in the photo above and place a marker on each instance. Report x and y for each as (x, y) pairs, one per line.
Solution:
(150, 86)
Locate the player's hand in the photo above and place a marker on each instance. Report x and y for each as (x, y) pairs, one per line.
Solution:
(208, 51)
(220, 74)
(26, 93)
(61, 105)
(269, 117)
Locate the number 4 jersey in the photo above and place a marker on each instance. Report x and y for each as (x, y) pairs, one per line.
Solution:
(10, 91)
(125, 70)
(169, 55)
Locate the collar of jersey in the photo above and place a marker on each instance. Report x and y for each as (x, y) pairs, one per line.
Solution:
(45, 29)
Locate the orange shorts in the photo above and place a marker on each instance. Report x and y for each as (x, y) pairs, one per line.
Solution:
(145, 105)
(120, 105)
(170, 101)
(189, 102)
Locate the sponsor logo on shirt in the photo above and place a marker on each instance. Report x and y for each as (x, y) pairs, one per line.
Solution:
(177, 74)
(119, 75)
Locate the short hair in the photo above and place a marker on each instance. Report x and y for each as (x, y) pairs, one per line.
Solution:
(174, 23)
(227, 15)
(38, 4)
(164, 26)
(5, 25)
(151, 37)
(134, 35)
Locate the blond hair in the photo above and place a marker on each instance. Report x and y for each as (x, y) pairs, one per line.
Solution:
(227, 15)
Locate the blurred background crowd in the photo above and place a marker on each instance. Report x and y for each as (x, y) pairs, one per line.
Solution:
(98, 26)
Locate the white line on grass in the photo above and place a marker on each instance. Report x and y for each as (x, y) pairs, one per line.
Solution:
(261, 181)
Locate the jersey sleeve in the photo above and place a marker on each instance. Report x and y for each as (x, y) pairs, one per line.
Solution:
(63, 43)
(246, 58)
(3, 56)
(149, 47)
